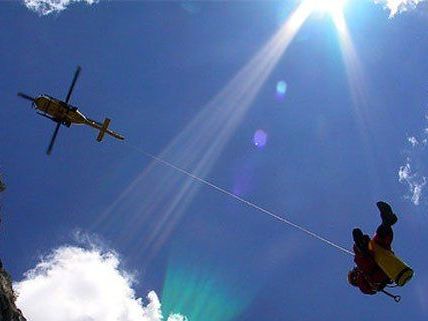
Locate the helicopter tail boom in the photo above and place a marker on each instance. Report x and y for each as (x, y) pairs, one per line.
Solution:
(104, 129)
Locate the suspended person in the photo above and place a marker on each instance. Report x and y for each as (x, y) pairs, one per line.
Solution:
(376, 264)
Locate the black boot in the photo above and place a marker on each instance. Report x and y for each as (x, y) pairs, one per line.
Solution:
(388, 217)
(361, 240)
(357, 235)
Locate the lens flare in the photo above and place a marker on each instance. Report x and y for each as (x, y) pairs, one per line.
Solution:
(281, 89)
(260, 138)
(201, 288)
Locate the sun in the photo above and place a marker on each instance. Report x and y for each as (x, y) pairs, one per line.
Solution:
(332, 7)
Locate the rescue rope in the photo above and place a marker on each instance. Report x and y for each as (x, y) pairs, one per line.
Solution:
(240, 199)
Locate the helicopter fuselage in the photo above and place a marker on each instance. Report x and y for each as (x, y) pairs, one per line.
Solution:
(59, 111)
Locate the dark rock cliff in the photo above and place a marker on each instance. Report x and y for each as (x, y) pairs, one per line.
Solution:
(8, 310)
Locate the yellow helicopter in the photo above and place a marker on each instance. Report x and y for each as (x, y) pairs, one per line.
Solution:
(65, 114)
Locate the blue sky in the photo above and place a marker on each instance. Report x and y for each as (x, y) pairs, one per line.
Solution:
(172, 77)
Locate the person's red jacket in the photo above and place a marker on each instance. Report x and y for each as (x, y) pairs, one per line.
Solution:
(370, 277)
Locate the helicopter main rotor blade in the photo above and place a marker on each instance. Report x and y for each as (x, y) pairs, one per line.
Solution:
(70, 90)
(26, 97)
(49, 151)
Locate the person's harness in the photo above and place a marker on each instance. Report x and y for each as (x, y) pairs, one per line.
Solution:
(379, 287)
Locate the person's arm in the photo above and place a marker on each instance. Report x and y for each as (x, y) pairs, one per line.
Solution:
(364, 261)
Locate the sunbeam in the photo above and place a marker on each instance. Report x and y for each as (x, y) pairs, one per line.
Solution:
(332, 7)
(156, 199)
(353, 66)
(358, 89)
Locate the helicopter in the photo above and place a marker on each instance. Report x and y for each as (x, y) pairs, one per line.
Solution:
(63, 113)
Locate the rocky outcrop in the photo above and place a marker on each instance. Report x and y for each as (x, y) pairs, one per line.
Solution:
(8, 310)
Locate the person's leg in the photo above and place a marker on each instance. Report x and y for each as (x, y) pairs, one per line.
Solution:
(361, 240)
(384, 236)
(386, 214)
(384, 233)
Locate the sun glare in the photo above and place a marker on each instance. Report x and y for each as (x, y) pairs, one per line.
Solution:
(326, 6)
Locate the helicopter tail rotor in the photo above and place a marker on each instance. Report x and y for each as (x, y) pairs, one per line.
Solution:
(103, 129)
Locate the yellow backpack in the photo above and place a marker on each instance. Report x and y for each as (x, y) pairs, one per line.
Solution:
(394, 268)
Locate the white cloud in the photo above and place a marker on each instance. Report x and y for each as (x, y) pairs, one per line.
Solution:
(412, 140)
(45, 7)
(398, 6)
(414, 181)
(414, 172)
(76, 284)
